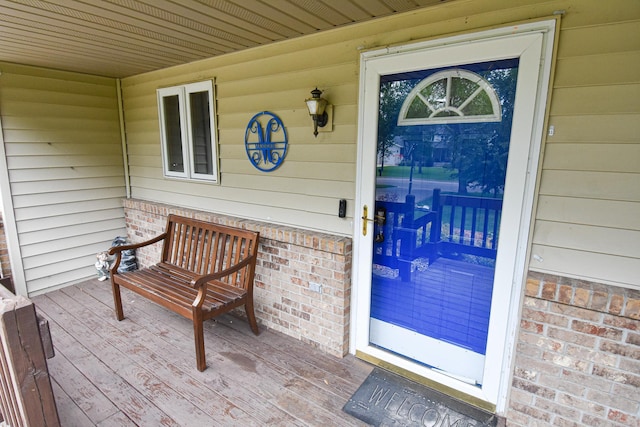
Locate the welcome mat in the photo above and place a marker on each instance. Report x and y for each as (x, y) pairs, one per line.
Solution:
(387, 399)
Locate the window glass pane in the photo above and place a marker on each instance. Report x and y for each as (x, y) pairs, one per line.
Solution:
(201, 133)
(173, 134)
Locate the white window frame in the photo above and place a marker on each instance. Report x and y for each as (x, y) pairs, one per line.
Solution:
(186, 131)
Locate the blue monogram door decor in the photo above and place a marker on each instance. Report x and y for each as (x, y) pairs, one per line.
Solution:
(266, 141)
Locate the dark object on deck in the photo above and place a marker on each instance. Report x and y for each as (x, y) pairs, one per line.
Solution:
(25, 387)
(128, 261)
(206, 270)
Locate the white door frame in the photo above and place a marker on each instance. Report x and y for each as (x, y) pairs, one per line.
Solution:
(533, 44)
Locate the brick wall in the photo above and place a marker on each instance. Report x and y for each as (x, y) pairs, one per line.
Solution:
(5, 262)
(303, 278)
(578, 355)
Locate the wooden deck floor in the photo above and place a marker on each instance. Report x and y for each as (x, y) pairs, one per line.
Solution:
(141, 371)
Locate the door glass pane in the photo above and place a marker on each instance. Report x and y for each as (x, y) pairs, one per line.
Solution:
(173, 133)
(201, 132)
(443, 145)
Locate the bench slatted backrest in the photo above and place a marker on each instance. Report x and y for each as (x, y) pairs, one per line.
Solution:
(203, 248)
(470, 223)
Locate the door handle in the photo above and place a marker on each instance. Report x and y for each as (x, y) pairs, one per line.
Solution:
(380, 218)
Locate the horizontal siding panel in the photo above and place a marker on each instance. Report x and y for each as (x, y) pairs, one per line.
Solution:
(62, 279)
(20, 108)
(59, 123)
(44, 200)
(591, 185)
(597, 267)
(101, 237)
(146, 172)
(31, 146)
(75, 172)
(612, 100)
(593, 157)
(77, 136)
(55, 98)
(148, 139)
(61, 234)
(65, 76)
(141, 113)
(153, 160)
(287, 216)
(137, 102)
(37, 162)
(147, 150)
(99, 87)
(87, 206)
(596, 12)
(61, 186)
(298, 201)
(601, 129)
(138, 127)
(308, 170)
(87, 253)
(587, 238)
(599, 39)
(310, 187)
(603, 69)
(69, 219)
(264, 84)
(604, 213)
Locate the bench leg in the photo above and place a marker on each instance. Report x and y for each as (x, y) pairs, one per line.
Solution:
(198, 334)
(117, 300)
(251, 316)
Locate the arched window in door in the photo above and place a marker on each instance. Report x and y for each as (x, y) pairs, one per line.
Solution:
(451, 96)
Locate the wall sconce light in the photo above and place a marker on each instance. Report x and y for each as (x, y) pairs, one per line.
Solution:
(316, 106)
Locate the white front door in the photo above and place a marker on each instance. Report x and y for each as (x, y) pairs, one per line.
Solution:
(449, 139)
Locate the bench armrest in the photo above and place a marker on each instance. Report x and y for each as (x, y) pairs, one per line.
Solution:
(198, 282)
(117, 250)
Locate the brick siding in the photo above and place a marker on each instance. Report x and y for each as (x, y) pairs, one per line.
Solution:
(292, 265)
(5, 262)
(578, 355)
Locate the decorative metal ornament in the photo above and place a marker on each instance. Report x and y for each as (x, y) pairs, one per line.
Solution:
(266, 141)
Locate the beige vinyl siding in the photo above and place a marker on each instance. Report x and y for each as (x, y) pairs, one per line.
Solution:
(588, 218)
(65, 170)
(588, 189)
(316, 173)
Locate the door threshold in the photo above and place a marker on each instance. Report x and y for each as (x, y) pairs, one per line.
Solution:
(449, 391)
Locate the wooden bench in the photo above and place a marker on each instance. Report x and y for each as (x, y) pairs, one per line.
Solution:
(205, 270)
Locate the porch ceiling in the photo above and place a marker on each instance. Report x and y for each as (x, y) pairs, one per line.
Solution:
(119, 38)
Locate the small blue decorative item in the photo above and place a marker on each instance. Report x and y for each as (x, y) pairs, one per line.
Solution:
(266, 141)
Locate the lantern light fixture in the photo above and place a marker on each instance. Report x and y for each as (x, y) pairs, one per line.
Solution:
(317, 110)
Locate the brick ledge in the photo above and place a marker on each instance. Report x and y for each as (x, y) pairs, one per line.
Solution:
(608, 299)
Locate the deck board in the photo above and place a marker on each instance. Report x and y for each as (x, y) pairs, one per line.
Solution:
(141, 371)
